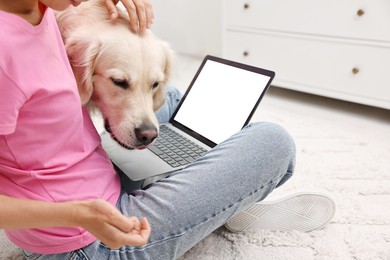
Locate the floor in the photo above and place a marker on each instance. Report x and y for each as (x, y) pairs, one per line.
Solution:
(343, 150)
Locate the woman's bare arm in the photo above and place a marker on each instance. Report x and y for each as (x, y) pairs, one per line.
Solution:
(99, 217)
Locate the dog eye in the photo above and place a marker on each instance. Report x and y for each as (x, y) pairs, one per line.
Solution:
(155, 85)
(122, 83)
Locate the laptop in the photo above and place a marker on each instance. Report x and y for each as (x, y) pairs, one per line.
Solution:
(219, 102)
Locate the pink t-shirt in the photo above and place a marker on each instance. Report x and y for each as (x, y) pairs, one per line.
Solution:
(49, 148)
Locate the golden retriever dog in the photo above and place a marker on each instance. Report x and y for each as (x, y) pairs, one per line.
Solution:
(120, 73)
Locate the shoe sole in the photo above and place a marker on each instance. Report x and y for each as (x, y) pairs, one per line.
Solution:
(303, 212)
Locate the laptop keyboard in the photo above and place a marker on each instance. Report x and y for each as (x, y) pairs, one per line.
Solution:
(174, 149)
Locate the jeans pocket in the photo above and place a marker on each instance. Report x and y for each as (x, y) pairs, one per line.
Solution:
(31, 256)
(78, 255)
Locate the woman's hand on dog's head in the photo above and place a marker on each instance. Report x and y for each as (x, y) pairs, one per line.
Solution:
(140, 13)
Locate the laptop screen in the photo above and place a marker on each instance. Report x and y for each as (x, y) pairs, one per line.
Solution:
(221, 99)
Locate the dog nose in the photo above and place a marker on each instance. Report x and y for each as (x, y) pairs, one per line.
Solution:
(146, 134)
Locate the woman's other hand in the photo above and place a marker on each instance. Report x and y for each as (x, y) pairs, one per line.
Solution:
(108, 224)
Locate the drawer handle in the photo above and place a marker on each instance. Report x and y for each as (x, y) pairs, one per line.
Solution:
(360, 12)
(355, 70)
(245, 53)
(246, 6)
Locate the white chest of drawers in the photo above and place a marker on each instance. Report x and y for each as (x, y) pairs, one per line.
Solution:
(334, 48)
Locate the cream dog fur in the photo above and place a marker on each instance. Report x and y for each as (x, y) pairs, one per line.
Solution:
(120, 73)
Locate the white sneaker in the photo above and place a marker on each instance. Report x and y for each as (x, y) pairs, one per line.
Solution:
(302, 211)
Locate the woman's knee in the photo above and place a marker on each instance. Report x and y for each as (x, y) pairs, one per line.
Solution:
(273, 135)
(274, 140)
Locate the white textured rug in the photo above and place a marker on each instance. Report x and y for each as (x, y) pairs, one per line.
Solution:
(344, 151)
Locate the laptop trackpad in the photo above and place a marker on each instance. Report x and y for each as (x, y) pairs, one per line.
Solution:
(142, 164)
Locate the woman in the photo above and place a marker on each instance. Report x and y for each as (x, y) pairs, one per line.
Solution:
(60, 196)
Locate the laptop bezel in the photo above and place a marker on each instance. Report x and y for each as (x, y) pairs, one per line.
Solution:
(206, 141)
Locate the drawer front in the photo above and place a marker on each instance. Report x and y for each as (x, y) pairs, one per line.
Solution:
(346, 69)
(357, 19)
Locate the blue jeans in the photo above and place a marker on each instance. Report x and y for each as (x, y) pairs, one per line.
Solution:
(185, 207)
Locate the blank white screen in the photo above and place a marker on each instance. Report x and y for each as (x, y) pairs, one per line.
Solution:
(220, 100)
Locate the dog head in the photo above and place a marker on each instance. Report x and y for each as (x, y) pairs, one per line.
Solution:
(118, 72)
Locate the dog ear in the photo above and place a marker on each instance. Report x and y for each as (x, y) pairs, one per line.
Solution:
(159, 97)
(168, 61)
(82, 55)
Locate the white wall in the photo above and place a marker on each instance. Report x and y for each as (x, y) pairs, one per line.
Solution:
(191, 27)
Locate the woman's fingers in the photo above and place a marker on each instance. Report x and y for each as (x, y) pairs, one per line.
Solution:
(111, 8)
(140, 13)
(115, 230)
